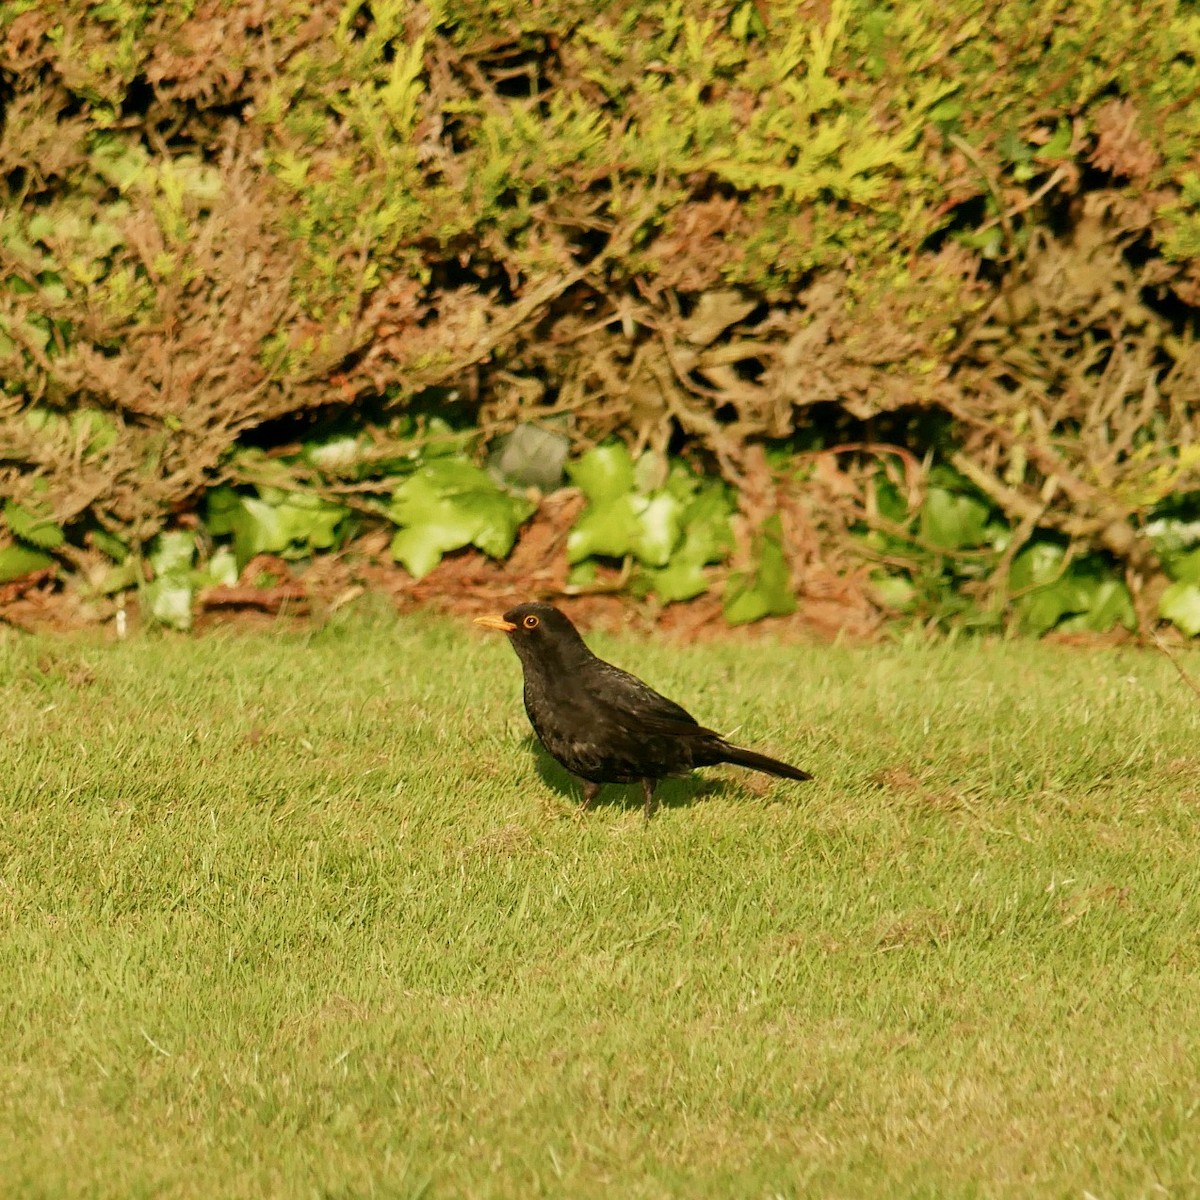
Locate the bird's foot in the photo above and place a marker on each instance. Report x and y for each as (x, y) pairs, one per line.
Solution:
(648, 792)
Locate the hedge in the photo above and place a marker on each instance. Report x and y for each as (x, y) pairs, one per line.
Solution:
(876, 239)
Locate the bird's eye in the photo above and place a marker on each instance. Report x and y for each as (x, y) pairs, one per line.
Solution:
(531, 622)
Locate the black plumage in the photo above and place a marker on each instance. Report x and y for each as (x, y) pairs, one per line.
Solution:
(603, 724)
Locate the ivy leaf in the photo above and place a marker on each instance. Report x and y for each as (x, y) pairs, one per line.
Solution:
(33, 525)
(951, 521)
(1111, 605)
(889, 502)
(447, 504)
(1058, 146)
(650, 472)
(221, 506)
(500, 516)
(442, 440)
(17, 561)
(707, 538)
(419, 548)
(1171, 535)
(582, 574)
(1042, 610)
(767, 591)
(708, 535)
(1086, 596)
(109, 544)
(172, 552)
(1038, 563)
(170, 601)
(608, 528)
(258, 528)
(679, 580)
(337, 456)
(291, 524)
(222, 567)
(120, 577)
(603, 473)
(658, 528)
(1106, 602)
(1180, 604)
(1184, 567)
(893, 591)
(310, 521)
(685, 486)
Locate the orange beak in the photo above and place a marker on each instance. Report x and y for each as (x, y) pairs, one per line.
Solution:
(495, 623)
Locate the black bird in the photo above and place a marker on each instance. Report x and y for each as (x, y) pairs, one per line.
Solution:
(603, 724)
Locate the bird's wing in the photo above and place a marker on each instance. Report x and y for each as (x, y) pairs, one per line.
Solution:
(637, 706)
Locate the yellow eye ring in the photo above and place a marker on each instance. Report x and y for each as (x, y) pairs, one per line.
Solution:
(531, 622)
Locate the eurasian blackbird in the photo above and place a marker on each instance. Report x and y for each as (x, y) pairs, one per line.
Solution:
(603, 724)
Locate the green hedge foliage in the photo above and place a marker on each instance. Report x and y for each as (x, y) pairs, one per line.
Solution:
(969, 231)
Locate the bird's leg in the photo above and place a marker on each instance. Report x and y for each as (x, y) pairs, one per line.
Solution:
(648, 792)
(590, 792)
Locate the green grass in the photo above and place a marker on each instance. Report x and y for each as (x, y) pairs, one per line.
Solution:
(305, 916)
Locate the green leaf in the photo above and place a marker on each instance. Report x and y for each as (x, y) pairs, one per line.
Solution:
(767, 591)
(443, 440)
(172, 552)
(222, 567)
(1038, 563)
(96, 427)
(419, 548)
(110, 544)
(337, 456)
(1184, 567)
(258, 528)
(17, 561)
(582, 574)
(650, 472)
(608, 528)
(1086, 596)
(708, 534)
(221, 507)
(120, 577)
(1180, 604)
(292, 524)
(1171, 535)
(888, 500)
(893, 591)
(1043, 609)
(680, 580)
(603, 473)
(685, 486)
(497, 517)
(170, 601)
(951, 521)
(448, 504)
(658, 528)
(1058, 146)
(1107, 603)
(33, 525)
(120, 162)
(310, 520)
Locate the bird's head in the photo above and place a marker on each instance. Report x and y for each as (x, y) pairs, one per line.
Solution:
(539, 633)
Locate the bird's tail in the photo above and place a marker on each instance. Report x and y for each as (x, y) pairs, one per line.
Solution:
(760, 762)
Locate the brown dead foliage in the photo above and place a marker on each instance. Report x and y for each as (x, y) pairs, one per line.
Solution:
(1071, 391)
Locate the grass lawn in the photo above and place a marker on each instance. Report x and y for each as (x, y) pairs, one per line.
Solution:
(306, 916)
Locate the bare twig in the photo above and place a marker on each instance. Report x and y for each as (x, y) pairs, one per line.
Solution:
(1158, 641)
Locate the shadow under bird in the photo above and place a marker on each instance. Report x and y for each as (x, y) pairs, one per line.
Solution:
(603, 724)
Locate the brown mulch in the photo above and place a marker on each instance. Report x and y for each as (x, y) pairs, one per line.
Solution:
(464, 584)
